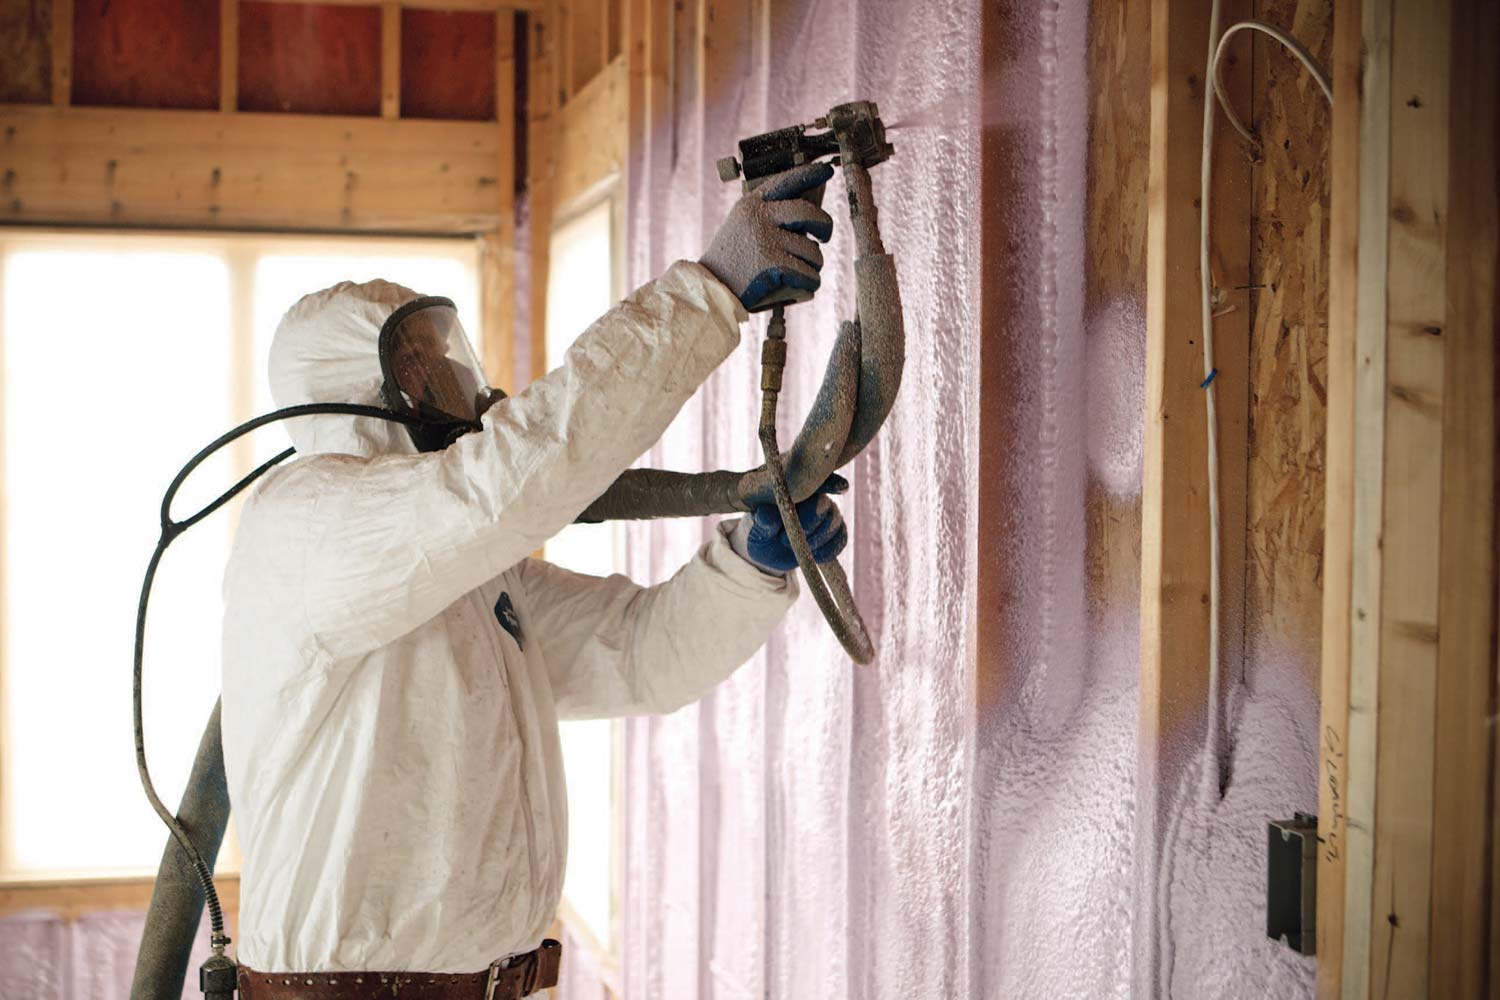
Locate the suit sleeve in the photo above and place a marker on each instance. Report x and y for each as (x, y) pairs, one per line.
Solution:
(614, 648)
(385, 544)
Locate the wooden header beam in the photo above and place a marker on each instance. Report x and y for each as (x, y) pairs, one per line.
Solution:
(207, 169)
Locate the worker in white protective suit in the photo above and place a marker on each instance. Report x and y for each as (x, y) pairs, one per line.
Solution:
(395, 662)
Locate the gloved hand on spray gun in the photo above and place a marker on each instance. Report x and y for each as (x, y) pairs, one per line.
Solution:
(760, 538)
(763, 244)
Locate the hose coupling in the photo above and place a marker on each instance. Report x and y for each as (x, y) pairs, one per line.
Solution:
(772, 363)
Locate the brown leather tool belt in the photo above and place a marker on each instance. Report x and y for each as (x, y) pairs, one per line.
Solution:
(506, 979)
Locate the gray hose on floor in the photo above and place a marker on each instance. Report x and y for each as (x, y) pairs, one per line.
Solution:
(177, 901)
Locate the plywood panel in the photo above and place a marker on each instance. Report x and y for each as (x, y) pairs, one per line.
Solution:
(146, 53)
(25, 51)
(1288, 344)
(310, 59)
(191, 168)
(448, 64)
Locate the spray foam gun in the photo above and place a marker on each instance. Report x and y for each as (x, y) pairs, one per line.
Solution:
(859, 386)
(856, 140)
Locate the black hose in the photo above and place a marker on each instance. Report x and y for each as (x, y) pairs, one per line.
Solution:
(170, 529)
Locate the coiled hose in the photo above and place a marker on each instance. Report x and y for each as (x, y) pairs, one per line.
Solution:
(829, 585)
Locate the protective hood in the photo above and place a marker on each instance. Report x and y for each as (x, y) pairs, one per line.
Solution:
(326, 350)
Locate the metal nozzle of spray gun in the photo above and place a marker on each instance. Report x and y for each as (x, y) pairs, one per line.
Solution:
(853, 133)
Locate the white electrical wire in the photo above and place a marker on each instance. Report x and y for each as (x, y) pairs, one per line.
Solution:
(1216, 49)
(1319, 75)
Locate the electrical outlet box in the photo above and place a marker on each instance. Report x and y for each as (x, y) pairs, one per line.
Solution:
(1292, 882)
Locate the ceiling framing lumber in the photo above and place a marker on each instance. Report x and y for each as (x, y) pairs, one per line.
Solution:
(192, 169)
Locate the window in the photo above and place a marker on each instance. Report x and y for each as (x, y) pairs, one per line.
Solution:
(581, 285)
(120, 356)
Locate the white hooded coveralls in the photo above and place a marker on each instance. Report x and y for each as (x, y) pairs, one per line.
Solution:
(390, 734)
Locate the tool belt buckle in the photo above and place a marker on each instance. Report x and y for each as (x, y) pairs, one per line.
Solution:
(500, 965)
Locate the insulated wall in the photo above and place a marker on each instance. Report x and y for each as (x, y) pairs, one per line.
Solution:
(959, 819)
(804, 830)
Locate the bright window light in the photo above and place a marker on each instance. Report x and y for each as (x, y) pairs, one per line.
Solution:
(579, 290)
(120, 357)
(116, 368)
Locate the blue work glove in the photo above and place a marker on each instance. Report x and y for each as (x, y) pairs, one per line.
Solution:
(760, 538)
(764, 243)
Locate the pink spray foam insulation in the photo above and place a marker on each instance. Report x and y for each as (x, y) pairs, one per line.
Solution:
(813, 829)
(46, 957)
(1116, 396)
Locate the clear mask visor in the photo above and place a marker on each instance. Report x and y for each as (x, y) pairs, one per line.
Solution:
(426, 356)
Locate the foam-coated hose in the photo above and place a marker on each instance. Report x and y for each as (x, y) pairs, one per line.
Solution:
(650, 493)
(859, 388)
(829, 585)
(177, 900)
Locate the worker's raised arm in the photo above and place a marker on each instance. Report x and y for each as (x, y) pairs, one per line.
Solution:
(380, 545)
(389, 542)
(614, 648)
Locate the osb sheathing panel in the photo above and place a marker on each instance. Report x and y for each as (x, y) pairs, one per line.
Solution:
(25, 51)
(448, 64)
(1289, 344)
(309, 59)
(146, 53)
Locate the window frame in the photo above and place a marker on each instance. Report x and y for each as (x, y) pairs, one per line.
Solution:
(608, 952)
(73, 894)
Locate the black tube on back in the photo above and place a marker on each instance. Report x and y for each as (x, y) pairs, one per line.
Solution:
(177, 902)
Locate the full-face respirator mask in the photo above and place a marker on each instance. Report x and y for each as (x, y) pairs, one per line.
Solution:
(429, 373)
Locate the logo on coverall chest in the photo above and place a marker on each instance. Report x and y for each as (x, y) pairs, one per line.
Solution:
(505, 614)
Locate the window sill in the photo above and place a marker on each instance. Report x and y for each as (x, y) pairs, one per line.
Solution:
(74, 897)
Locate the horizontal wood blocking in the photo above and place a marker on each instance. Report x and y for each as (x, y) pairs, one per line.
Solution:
(123, 167)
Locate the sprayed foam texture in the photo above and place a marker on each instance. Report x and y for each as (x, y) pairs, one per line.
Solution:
(812, 829)
(816, 829)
